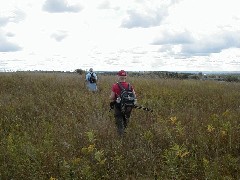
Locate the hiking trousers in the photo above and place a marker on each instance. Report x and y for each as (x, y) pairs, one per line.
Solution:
(121, 119)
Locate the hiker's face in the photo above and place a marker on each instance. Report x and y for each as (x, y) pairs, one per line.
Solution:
(121, 78)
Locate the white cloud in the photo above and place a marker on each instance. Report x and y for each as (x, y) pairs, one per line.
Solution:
(4, 21)
(198, 44)
(138, 35)
(104, 5)
(7, 46)
(213, 43)
(146, 14)
(59, 35)
(143, 19)
(15, 16)
(172, 37)
(59, 6)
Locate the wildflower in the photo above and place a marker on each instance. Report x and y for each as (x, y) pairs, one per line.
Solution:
(99, 156)
(52, 178)
(181, 151)
(91, 136)
(226, 113)
(210, 128)
(91, 147)
(76, 161)
(205, 161)
(182, 154)
(173, 120)
(223, 133)
(84, 150)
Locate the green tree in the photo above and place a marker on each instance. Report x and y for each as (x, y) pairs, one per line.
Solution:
(79, 71)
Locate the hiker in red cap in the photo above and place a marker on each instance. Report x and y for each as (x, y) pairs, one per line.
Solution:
(123, 99)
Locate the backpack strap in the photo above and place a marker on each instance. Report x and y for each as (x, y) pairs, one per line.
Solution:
(122, 88)
(129, 87)
(90, 73)
(120, 85)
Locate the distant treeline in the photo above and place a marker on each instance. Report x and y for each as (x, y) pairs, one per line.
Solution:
(182, 75)
(228, 77)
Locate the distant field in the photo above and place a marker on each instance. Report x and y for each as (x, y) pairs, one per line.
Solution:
(51, 127)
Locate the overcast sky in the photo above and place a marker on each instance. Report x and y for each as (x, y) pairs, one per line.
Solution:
(151, 35)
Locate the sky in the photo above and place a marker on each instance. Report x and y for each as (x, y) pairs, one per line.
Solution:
(110, 35)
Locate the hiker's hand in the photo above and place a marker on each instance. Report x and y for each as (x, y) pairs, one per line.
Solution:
(135, 101)
(112, 104)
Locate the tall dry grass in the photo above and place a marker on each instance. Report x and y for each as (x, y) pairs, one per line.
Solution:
(51, 127)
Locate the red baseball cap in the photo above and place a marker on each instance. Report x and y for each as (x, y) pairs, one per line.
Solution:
(122, 73)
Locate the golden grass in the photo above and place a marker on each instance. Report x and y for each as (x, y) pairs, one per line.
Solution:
(51, 127)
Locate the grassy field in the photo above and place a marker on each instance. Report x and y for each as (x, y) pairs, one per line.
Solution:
(51, 127)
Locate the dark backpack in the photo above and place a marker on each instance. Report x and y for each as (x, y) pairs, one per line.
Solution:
(127, 98)
(92, 78)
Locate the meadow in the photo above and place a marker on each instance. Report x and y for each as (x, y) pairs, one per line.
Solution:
(52, 128)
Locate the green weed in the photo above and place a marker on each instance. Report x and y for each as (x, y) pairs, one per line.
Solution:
(51, 127)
